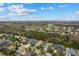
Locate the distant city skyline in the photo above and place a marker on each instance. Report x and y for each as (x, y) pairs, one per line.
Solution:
(39, 11)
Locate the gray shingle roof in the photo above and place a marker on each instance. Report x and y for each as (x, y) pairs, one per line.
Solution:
(32, 41)
(4, 43)
(59, 47)
(71, 52)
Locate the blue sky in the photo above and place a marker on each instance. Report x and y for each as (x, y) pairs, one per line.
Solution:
(39, 12)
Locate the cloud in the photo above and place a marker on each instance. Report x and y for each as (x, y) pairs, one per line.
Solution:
(42, 8)
(1, 4)
(62, 6)
(71, 16)
(77, 12)
(1, 8)
(50, 8)
(34, 16)
(13, 7)
(20, 10)
(15, 11)
(2, 16)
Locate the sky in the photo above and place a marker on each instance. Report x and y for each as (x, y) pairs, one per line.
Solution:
(39, 12)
